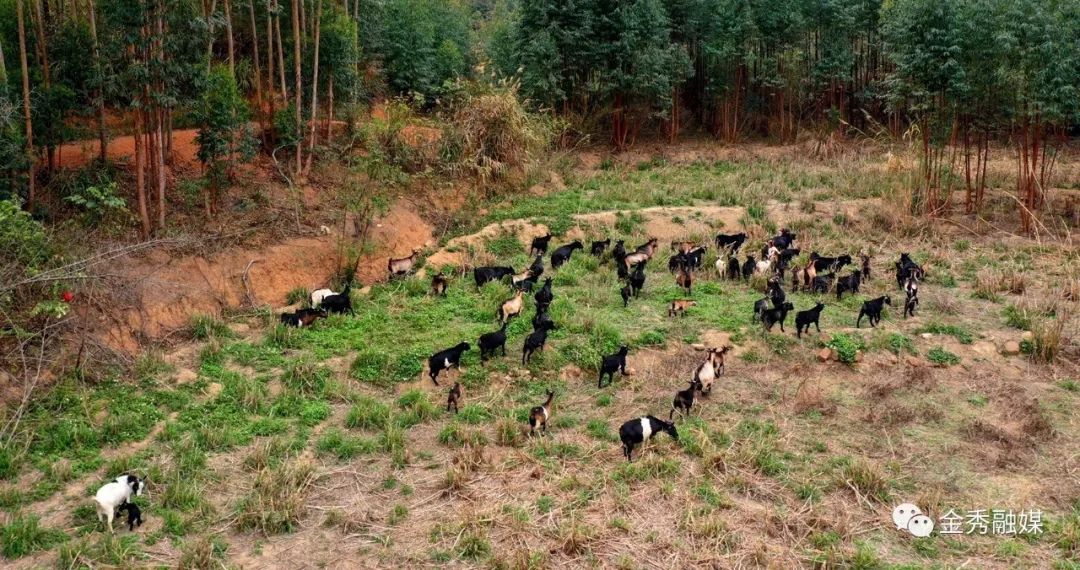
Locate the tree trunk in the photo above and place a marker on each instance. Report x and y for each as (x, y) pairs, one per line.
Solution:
(229, 38)
(258, 70)
(32, 175)
(330, 103)
(280, 54)
(314, 89)
(298, 96)
(208, 14)
(99, 94)
(140, 175)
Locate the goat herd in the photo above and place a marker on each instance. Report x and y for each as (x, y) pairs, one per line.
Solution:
(819, 275)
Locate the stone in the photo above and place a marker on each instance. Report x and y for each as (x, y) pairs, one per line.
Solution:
(1011, 348)
(697, 346)
(927, 335)
(914, 361)
(858, 356)
(1028, 336)
(825, 355)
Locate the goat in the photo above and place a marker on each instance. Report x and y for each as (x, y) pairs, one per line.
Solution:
(340, 303)
(544, 296)
(492, 341)
(677, 262)
(439, 285)
(517, 280)
(302, 318)
(695, 258)
(906, 268)
(636, 258)
(626, 292)
(319, 294)
(618, 253)
(648, 248)
(637, 279)
(911, 289)
(484, 274)
(526, 284)
(775, 292)
(681, 246)
(597, 248)
(642, 429)
(684, 279)
(402, 266)
(537, 267)
(454, 397)
(760, 306)
(540, 318)
(784, 239)
(829, 263)
(539, 415)
(766, 264)
(786, 256)
(114, 494)
(609, 364)
(562, 255)
(822, 283)
(540, 244)
(865, 266)
(134, 515)
(512, 307)
(733, 271)
(535, 341)
(872, 309)
(445, 360)
(679, 306)
(803, 319)
(849, 283)
(731, 242)
(713, 367)
(776, 315)
(748, 267)
(684, 399)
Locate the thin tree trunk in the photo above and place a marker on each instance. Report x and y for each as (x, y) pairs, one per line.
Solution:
(298, 96)
(229, 38)
(32, 175)
(314, 89)
(258, 69)
(140, 175)
(270, 61)
(208, 14)
(99, 94)
(329, 103)
(280, 54)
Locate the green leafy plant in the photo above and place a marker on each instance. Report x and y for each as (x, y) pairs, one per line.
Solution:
(942, 357)
(847, 346)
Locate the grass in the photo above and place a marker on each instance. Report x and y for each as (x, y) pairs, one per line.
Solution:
(942, 357)
(959, 333)
(276, 502)
(24, 535)
(846, 346)
(369, 414)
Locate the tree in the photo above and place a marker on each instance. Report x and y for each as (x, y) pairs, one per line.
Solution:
(225, 136)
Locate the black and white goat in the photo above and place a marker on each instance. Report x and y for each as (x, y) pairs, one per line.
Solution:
(445, 360)
(642, 429)
(302, 317)
(539, 415)
(319, 294)
(911, 290)
(612, 363)
(115, 494)
(340, 303)
(872, 310)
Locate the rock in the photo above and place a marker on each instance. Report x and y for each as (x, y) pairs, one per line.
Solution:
(631, 371)
(914, 361)
(927, 335)
(697, 346)
(1028, 336)
(1011, 348)
(825, 355)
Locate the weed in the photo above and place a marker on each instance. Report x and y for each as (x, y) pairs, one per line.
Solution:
(847, 346)
(207, 327)
(306, 378)
(24, 535)
(203, 553)
(900, 343)
(600, 430)
(1047, 339)
(368, 413)
(942, 357)
(276, 502)
(865, 479)
(343, 446)
(959, 333)
(298, 296)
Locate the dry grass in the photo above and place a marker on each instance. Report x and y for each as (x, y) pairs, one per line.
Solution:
(276, 502)
(1048, 339)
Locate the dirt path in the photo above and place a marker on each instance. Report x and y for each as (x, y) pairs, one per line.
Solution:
(79, 153)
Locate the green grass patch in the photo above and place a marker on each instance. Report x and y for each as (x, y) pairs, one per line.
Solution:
(942, 357)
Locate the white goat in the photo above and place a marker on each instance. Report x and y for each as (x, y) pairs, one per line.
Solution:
(111, 495)
(318, 295)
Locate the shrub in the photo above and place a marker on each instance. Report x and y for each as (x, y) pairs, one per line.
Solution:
(942, 357)
(1047, 339)
(206, 327)
(276, 502)
(846, 346)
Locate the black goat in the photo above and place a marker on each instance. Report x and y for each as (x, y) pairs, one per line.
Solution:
(540, 244)
(695, 258)
(627, 291)
(760, 306)
(537, 267)
(642, 429)
(439, 284)
(562, 255)
(850, 283)
(637, 279)
(748, 267)
(618, 253)
(484, 274)
(612, 363)
(597, 248)
(730, 241)
(865, 266)
(775, 292)
(872, 310)
(822, 283)
(684, 399)
(302, 318)
(540, 318)
(776, 315)
(446, 359)
(784, 239)
(733, 268)
(544, 296)
(535, 341)
(134, 515)
(492, 341)
(677, 262)
(340, 303)
(803, 319)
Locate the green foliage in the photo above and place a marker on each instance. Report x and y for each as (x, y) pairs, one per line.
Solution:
(942, 357)
(846, 345)
(225, 135)
(959, 333)
(24, 535)
(97, 202)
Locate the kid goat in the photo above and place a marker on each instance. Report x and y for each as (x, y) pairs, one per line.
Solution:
(539, 415)
(642, 429)
(612, 363)
(684, 399)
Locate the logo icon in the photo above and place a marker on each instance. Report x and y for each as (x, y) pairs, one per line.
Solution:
(910, 518)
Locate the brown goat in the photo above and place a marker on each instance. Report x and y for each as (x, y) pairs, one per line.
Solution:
(511, 307)
(454, 398)
(439, 284)
(684, 279)
(403, 265)
(679, 306)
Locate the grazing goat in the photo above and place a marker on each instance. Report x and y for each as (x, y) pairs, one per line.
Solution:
(492, 341)
(679, 307)
(712, 369)
(642, 429)
(618, 253)
(319, 294)
(540, 318)
(439, 285)
(134, 515)
(516, 281)
(597, 248)
(112, 495)
(865, 266)
(684, 399)
(776, 315)
(681, 246)
(302, 318)
(872, 310)
(911, 289)
(648, 248)
(484, 274)
(695, 258)
(540, 244)
(731, 242)
(445, 360)
(539, 415)
(784, 239)
(733, 268)
(537, 267)
(803, 319)
(612, 363)
(822, 283)
(402, 266)
(340, 303)
(748, 267)
(684, 278)
(562, 255)
(454, 397)
(849, 283)
(544, 296)
(626, 292)
(637, 279)
(535, 341)
(512, 307)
